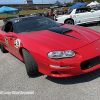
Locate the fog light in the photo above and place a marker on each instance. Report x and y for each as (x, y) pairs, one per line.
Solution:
(56, 66)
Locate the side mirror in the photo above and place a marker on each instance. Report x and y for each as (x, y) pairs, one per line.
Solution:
(9, 34)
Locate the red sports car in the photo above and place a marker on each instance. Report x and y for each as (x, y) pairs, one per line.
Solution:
(54, 49)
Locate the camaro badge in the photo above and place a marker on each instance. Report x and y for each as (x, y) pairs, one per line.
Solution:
(97, 49)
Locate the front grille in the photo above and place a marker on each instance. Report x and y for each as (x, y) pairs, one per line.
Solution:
(90, 63)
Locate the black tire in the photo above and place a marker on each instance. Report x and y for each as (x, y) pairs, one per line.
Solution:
(3, 50)
(69, 21)
(31, 66)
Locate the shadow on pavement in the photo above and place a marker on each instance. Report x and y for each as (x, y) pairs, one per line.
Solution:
(76, 79)
(90, 24)
(37, 75)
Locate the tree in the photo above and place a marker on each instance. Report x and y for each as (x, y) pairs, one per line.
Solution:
(78, 0)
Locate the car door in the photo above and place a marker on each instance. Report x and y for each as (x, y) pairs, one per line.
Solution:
(9, 40)
(82, 16)
(95, 15)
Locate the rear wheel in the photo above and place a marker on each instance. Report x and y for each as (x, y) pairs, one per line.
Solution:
(3, 50)
(69, 21)
(31, 66)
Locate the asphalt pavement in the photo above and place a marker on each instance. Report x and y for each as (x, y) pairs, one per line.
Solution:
(14, 83)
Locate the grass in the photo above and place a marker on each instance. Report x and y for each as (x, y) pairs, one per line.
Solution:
(20, 13)
(29, 12)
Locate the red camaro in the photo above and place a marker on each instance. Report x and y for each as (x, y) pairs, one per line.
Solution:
(54, 49)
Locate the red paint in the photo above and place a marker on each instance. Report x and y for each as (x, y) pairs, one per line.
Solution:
(41, 42)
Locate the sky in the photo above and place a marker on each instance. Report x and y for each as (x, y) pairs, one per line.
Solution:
(34, 1)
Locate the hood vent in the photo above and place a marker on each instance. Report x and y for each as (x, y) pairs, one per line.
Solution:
(62, 30)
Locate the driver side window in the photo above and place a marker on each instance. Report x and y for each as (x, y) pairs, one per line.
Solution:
(82, 10)
(78, 11)
(8, 27)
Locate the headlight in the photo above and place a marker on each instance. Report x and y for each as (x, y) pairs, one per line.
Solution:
(61, 54)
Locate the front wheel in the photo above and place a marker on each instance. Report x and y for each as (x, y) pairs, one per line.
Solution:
(31, 66)
(3, 50)
(69, 21)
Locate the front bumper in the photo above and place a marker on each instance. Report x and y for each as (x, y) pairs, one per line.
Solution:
(83, 54)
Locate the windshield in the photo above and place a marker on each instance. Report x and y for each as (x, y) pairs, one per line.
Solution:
(35, 24)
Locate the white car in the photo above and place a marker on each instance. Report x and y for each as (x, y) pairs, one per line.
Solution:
(79, 16)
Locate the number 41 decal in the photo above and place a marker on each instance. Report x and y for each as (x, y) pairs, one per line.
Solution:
(17, 43)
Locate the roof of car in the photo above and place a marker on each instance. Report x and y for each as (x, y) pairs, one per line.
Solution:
(84, 8)
(25, 18)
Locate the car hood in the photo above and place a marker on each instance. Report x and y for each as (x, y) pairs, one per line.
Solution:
(73, 37)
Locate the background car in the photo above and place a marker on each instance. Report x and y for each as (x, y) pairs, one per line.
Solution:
(21, 15)
(57, 50)
(80, 16)
(38, 14)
